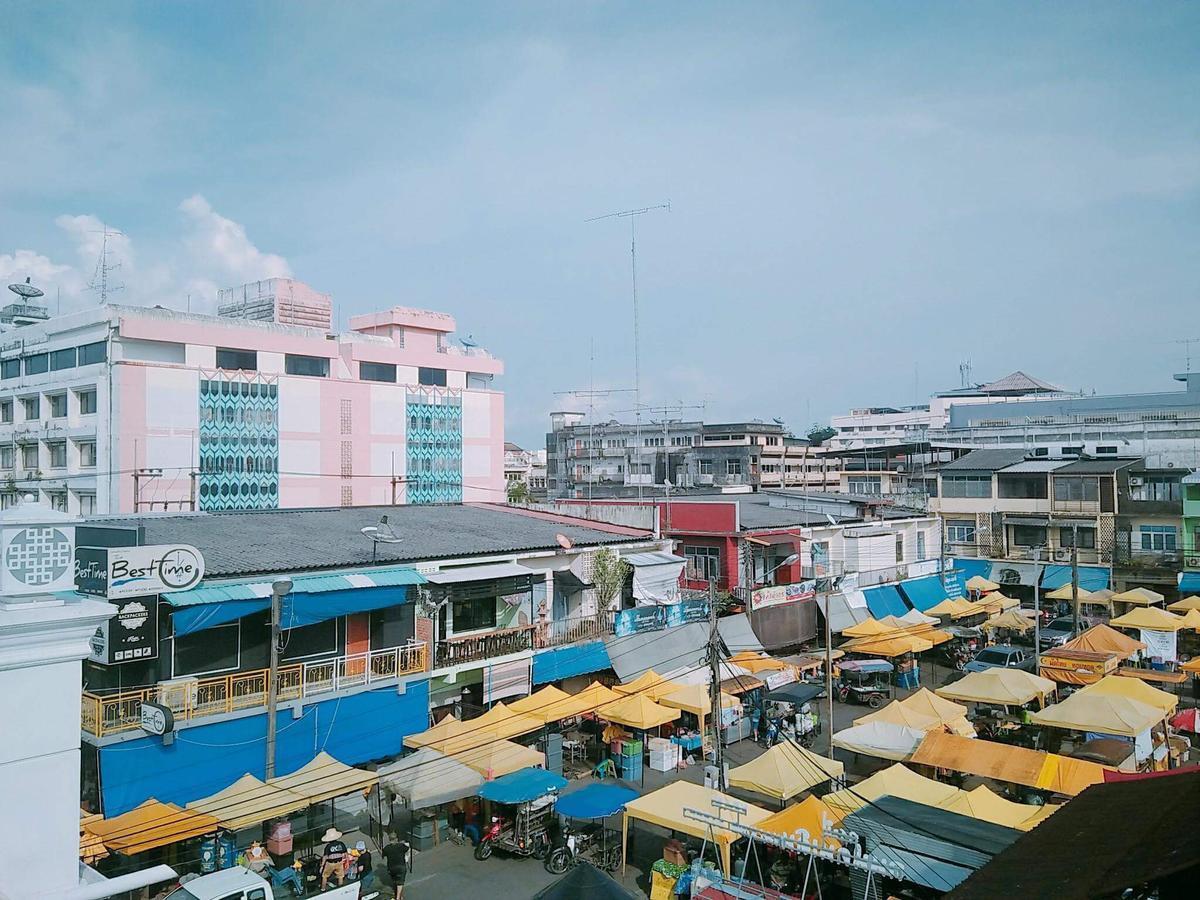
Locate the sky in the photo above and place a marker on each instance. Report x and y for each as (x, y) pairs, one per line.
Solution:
(862, 195)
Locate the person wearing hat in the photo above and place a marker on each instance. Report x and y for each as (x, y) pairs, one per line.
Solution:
(331, 859)
(362, 864)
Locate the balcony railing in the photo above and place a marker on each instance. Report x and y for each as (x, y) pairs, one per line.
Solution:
(191, 699)
(1137, 558)
(1084, 507)
(476, 647)
(573, 630)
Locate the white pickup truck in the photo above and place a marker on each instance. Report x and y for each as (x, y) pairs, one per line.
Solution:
(239, 883)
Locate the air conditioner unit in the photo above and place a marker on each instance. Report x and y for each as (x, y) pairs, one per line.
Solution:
(179, 694)
(1062, 554)
(1136, 481)
(1192, 562)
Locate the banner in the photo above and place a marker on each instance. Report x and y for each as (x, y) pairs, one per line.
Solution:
(655, 618)
(1160, 644)
(687, 611)
(782, 593)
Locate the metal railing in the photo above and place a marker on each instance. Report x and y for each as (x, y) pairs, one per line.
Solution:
(473, 648)
(1087, 507)
(573, 630)
(189, 699)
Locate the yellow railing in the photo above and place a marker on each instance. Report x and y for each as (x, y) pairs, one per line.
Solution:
(188, 699)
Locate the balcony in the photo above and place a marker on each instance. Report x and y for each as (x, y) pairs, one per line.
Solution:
(1076, 507)
(1148, 561)
(573, 630)
(477, 647)
(194, 699)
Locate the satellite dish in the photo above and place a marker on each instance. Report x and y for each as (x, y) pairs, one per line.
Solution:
(832, 520)
(564, 541)
(382, 533)
(777, 420)
(26, 291)
(469, 341)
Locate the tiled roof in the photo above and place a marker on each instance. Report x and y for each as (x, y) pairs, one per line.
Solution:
(1019, 382)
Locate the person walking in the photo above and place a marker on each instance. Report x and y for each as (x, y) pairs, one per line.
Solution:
(398, 857)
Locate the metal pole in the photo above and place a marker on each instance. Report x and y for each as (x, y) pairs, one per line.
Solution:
(714, 687)
(1037, 616)
(829, 673)
(1075, 579)
(278, 590)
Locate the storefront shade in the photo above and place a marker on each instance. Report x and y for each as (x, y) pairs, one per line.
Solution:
(1007, 763)
(1001, 687)
(428, 778)
(498, 758)
(325, 778)
(1134, 689)
(151, 825)
(785, 771)
(638, 712)
(665, 807)
(247, 802)
(1101, 714)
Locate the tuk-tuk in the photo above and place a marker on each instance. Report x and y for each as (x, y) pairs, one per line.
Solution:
(864, 681)
(522, 804)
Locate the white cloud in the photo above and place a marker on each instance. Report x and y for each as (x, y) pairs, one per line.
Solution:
(184, 270)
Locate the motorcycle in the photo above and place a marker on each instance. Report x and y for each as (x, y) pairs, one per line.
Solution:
(519, 839)
(600, 844)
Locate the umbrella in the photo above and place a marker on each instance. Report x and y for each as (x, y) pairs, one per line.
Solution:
(522, 785)
(1187, 720)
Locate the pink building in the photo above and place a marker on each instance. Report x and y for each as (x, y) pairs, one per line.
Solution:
(130, 409)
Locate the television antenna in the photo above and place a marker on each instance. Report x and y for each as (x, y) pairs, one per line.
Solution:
(26, 291)
(99, 282)
(383, 533)
(633, 215)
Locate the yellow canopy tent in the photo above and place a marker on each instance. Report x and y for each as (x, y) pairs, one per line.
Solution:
(151, 825)
(448, 727)
(638, 712)
(867, 628)
(497, 723)
(1151, 618)
(757, 662)
(810, 816)
(1140, 596)
(588, 700)
(1191, 620)
(536, 703)
(901, 643)
(91, 848)
(1102, 639)
(325, 778)
(981, 584)
(955, 608)
(247, 802)
(1192, 666)
(1187, 603)
(1010, 619)
(500, 757)
(1064, 593)
(665, 807)
(923, 711)
(1101, 713)
(1002, 687)
(785, 771)
(986, 805)
(649, 683)
(1134, 689)
(895, 781)
(1006, 762)
(694, 698)
(995, 603)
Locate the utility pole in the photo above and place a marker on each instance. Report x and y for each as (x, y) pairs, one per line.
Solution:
(279, 589)
(1075, 579)
(828, 672)
(1037, 615)
(714, 687)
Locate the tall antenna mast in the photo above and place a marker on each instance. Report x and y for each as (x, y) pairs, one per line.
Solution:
(99, 281)
(632, 215)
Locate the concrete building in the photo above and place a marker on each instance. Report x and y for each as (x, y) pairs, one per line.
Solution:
(526, 468)
(130, 409)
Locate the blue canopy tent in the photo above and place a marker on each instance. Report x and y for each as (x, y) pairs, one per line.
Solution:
(595, 801)
(1189, 583)
(522, 786)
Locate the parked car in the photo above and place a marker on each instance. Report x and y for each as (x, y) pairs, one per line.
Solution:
(1058, 631)
(1002, 656)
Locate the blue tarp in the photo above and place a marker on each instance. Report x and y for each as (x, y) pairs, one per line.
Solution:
(209, 615)
(298, 609)
(564, 662)
(885, 600)
(956, 584)
(1189, 583)
(922, 593)
(208, 758)
(1091, 578)
(522, 786)
(972, 567)
(595, 801)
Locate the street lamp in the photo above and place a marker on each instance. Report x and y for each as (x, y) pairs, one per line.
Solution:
(788, 561)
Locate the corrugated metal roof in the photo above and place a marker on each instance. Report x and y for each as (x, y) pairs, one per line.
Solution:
(984, 461)
(1035, 466)
(1096, 466)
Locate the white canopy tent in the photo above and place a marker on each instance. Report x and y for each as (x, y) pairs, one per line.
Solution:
(428, 778)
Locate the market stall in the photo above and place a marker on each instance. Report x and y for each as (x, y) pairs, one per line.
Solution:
(1157, 630)
(1075, 667)
(498, 758)
(999, 687)
(1107, 715)
(1010, 621)
(641, 714)
(498, 723)
(785, 771)
(151, 825)
(986, 805)
(649, 683)
(977, 584)
(885, 740)
(923, 711)
(894, 781)
(535, 704)
(428, 778)
(247, 802)
(694, 700)
(325, 778)
(1184, 605)
(1133, 689)
(810, 816)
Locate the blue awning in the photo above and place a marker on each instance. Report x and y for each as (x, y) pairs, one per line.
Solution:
(973, 567)
(922, 593)
(885, 600)
(565, 662)
(209, 615)
(250, 589)
(1189, 583)
(522, 786)
(1091, 578)
(596, 800)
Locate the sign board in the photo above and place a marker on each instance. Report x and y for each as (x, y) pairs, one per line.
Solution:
(782, 593)
(117, 572)
(156, 718)
(655, 618)
(37, 559)
(129, 636)
(687, 611)
(775, 680)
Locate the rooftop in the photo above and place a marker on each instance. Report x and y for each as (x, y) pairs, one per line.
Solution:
(984, 461)
(295, 540)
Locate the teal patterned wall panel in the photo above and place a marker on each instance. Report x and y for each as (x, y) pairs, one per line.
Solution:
(434, 446)
(239, 443)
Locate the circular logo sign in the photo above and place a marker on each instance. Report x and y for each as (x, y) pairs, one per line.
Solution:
(180, 569)
(38, 556)
(133, 616)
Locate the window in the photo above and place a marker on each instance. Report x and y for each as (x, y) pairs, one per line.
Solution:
(704, 466)
(58, 500)
(62, 359)
(320, 639)
(433, 377)
(371, 371)
(1106, 448)
(703, 563)
(6, 457)
(960, 531)
(1041, 451)
(1021, 487)
(58, 454)
(1158, 488)
(92, 353)
(1076, 488)
(1158, 537)
(1087, 538)
(899, 548)
(32, 407)
(733, 467)
(37, 364)
(6, 411)
(216, 649)
(313, 366)
(1029, 535)
(87, 504)
(920, 545)
(29, 456)
(865, 484)
(10, 368)
(58, 406)
(237, 360)
(974, 486)
(87, 454)
(471, 615)
(1074, 450)
(87, 402)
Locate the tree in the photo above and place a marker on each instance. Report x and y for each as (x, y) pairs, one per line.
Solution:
(518, 492)
(609, 572)
(819, 434)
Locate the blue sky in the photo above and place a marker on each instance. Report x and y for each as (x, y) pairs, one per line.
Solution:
(863, 195)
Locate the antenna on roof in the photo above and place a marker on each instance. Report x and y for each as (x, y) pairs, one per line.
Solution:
(100, 278)
(383, 533)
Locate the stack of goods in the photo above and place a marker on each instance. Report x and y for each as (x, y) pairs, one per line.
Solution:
(664, 754)
(631, 759)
